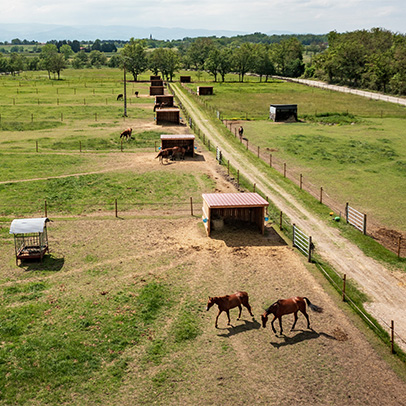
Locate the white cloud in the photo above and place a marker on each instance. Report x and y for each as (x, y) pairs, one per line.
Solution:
(299, 16)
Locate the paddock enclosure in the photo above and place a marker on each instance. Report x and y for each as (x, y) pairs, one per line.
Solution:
(283, 112)
(218, 208)
(179, 140)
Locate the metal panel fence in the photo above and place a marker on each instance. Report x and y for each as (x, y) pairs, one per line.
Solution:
(303, 242)
(356, 218)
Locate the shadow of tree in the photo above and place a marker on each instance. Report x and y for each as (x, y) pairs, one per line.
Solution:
(302, 336)
(241, 328)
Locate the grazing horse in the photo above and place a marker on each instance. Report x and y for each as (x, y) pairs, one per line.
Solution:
(288, 306)
(126, 133)
(120, 97)
(225, 303)
(164, 153)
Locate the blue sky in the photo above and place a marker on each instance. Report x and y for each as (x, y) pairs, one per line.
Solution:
(304, 16)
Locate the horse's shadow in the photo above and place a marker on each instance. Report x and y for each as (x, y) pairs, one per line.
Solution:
(302, 336)
(241, 328)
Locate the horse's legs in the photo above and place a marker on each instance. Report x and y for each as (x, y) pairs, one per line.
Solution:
(249, 309)
(218, 314)
(273, 328)
(294, 322)
(239, 316)
(280, 323)
(228, 315)
(307, 318)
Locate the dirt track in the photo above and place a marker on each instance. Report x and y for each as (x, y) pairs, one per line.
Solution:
(386, 290)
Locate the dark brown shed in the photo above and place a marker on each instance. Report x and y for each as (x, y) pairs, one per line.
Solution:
(185, 79)
(204, 90)
(153, 77)
(220, 207)
(283, 112)
(167, 115)
(156, 90)
(157, 82)
(167, 99)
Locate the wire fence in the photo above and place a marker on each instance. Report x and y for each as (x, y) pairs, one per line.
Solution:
(384, 331)
(394, 241)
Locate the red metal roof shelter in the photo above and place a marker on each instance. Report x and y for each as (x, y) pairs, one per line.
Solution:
(250, 207)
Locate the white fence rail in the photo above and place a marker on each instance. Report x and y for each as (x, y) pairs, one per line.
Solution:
(302, 242)
(356, 218)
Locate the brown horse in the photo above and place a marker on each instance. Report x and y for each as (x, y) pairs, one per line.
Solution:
(178, 151)
(288, 306)
(126, 133)
(164, 153)
(225, 303)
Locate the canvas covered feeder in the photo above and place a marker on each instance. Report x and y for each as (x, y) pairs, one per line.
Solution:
(185, 79)
(283, 112)
(166, 99)
(168, 115)
(30, 238)
(204, 90)
(248, 208)
(186, 141)
(156, 90)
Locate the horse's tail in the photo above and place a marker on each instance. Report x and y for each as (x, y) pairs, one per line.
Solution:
(159, 154)
(313, 307)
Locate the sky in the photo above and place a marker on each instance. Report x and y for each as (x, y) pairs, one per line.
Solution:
(294, 16)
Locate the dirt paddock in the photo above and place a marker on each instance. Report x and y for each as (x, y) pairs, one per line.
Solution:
(334, 363)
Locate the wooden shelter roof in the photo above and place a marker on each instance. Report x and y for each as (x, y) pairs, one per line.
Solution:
(177, 137)
(238, 200)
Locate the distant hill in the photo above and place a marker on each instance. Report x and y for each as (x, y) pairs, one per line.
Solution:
(47, 32)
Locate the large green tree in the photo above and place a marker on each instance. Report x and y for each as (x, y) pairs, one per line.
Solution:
(134, 57)
(243, 60)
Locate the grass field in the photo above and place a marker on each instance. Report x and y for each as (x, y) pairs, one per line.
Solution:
(353, 147)
(115, 314)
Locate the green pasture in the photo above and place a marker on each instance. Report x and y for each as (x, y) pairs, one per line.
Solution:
(89, 193)
(251, 100)
(351, 146)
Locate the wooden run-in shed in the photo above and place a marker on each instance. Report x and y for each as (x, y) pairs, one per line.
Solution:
(30, 238)
(204, 90)
(244, 207)
(185, 79)
(166, 99)
(153, 77)
(156, 90)
(283, 112)
(157, 82)
(167, 115)
(186, 141)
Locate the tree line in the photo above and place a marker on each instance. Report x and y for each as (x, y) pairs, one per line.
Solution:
(373, 59)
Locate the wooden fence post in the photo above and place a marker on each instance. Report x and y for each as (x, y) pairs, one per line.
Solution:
(392, 328)
(258, 152)
(46, 208)
(270, 160)
(310, 249)
(346, 212)
(399, 242)
(155, 145)
(115, 207)
(36, 146)
(344, 284)
(280, 220)
(238, 178)
(228, 169)
(208, 144)
(254, 187)
(365, 225)
(284, 170)
(321, 195)
(301, 181)
(80, 146)
(247, 143)
(191, 206)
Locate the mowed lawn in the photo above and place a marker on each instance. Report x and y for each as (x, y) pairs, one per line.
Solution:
(353, 147)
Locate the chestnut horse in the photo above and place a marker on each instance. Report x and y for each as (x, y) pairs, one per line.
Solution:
(225, 303)
(288, 306)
